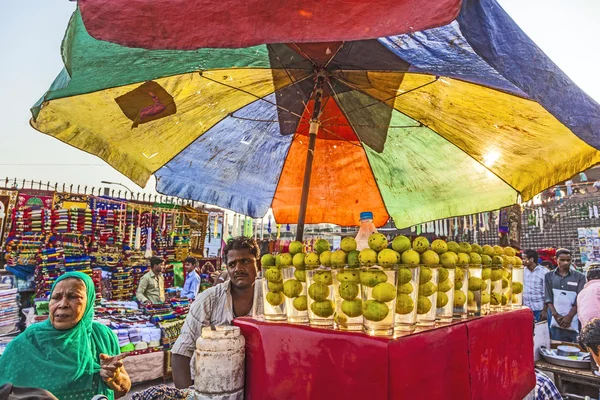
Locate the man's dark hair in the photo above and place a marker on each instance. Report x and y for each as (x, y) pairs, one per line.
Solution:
(593, 272)
(590, 336)
(239, 243)
(155, 261)
(547, 264)
(532, 254)
(560, 252)
(191, 260)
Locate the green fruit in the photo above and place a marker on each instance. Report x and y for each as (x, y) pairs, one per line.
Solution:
(453, 247)
(273, 274)
(517, 287)
(464, 247)
(318, 291)
(487, 250)
(430, 257)
(367, 257)
(449, 259)
(267, 260)
(348, 244)
(486, 273)
(292, 288)
(352, 308)
(340, 319)
(445, 285)
(425, 275)
(296, 247)
(459, 299)
(495, 299)
(275, 298)
(475, 283)
(459, 275)
(463, 259)
(504, 299)
(404, 275)
(338, 258)
(401, 244)
(407, 288)
(372, 277)
(475, 248)
(515, 299)
(404, 304)
(504, 283)
(285, 259)
(388, 257)
(485, 297)
(443, 274)
(439, 246)
(442, 300)
(495, 275)
(348, 290)
(498, 250)
(423, 305)
(298, 261)
(275, 286)
(300, 275)
(323, 277)
(411, 257)
(352, 258)
(420, 244)
(486, 260)
(321, 245)
(384, 292)
(325, 258)
(427, 289)
(348, 275)
(458, 285)
(509, 251)
(470, 297)
(475, 258)
(323, 309)
(378, 242)
(312, 260)
(375, 311)
(497, 260)
(300, 303)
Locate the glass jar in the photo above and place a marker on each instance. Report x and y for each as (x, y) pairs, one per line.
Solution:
(273, 297)
(407, 296)
(517, 286)
(486, 273)
(461, 289)
(496, 287)
(379, 290)
(445, 295)
(427, 300)
(294, 290)
(348, 298)
(507, 287)
(476, 284)
(321, 298)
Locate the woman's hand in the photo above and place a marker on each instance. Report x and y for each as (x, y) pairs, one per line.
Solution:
(114, 375)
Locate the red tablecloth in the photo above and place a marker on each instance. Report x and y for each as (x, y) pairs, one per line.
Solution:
(480, 358)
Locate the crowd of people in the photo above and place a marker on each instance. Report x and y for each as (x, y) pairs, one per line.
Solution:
(79, 358)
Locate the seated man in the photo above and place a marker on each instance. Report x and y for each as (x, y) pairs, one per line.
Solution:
(219, 305)
(589, 340)
(192, 279)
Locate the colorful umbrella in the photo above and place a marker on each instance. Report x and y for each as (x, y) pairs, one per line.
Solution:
(451, 120)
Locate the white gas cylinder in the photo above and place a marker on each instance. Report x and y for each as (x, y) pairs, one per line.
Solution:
(220, 359)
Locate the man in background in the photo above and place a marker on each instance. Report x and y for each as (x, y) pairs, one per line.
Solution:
(588, 301)
(192, 279)
(533, 291)
(151, 289)
(562, 287)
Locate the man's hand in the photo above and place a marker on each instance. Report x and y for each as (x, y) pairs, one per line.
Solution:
(544, 315)
(565, 321)
(110, 367)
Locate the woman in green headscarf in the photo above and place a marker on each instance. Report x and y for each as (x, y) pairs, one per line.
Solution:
(70, 354)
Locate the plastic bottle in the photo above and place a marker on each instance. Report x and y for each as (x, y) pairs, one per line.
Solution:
(367, 228)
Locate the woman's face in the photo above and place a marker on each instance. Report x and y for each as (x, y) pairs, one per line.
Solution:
(67, 304)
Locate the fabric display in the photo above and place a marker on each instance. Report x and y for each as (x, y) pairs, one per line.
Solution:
(9, 309)
(170, 332)
(21, 254)
(50, 265)
(8, 202)
(35, 199)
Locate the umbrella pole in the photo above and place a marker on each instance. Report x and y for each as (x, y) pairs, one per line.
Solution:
(314, 129)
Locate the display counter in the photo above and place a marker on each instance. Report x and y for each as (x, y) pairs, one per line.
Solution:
(480, 358)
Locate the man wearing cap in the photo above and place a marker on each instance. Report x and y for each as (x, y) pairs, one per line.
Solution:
(562, 287)
(151, 289)
(240, 296)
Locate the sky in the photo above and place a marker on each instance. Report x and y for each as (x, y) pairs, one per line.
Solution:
(31, 33)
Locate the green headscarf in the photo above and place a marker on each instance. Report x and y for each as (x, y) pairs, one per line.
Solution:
(64, 362)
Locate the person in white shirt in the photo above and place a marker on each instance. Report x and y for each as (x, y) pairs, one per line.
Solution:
(534, 290)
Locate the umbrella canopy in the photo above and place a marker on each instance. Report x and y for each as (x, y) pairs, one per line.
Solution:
(452, 120)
